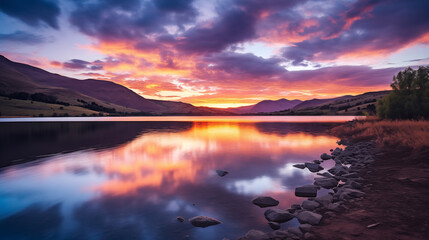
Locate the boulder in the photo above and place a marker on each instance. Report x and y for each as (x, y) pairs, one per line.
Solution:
(327, 183)
(310, 205)
(265, 201)
(345, 194)
(278, 215)
(301, 166)
(295, 231)
(305, 227)
(325, 200)
(309, 217)
(313, 167)
(317, 161)
(274, 225)
(203, 221)
(306, 191)
(221, 173)
(325, 156)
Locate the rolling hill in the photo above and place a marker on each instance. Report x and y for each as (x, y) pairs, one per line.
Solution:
(17, 77)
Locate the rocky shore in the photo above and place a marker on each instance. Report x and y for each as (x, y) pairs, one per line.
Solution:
(345, 182)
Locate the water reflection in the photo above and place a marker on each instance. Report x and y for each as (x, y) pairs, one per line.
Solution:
(131, 180)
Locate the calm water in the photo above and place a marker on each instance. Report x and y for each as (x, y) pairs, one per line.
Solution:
(124, 178)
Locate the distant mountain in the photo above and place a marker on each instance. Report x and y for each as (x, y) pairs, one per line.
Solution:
(18, 77)
(266, 106)
(344, 105)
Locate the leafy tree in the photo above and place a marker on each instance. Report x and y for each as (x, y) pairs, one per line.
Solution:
(410, 96)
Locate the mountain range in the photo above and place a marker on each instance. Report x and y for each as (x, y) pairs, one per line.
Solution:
(20, 84)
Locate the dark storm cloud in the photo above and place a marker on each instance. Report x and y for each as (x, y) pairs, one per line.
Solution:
(377, 26)
(22, 37)
(32, 12)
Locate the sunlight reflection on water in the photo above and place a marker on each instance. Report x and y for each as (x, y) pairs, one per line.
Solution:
(135, 187)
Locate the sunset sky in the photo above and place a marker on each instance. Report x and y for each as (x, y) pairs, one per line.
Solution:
(221, 53)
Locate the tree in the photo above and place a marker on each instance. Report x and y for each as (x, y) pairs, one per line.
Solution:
(410, 96)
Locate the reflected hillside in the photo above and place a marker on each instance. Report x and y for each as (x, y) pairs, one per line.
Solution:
(21, 141)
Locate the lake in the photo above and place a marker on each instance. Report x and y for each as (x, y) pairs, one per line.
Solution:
(131, 177)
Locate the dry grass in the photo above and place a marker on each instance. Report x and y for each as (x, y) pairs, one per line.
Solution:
(406, 133)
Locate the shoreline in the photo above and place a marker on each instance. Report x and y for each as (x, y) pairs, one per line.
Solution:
(382, 194)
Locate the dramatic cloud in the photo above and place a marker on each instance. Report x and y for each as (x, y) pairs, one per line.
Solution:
(379, 27)
(32, 12)
(228, 52)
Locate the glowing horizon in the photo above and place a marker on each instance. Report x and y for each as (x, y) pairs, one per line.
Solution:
(228, 53)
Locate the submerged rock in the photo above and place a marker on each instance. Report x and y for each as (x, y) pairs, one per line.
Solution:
(325, 156)
(265, 201)
(274, 225)
(309, 217)
(301, 166)
(313, 167)
(221, 173)
(306, 191)
(180, 219)
(278, 215)
(203, 221)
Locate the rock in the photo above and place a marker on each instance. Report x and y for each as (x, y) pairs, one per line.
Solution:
(295, 231)
(309, 236)
(180, 219)
(313, 167)
(309, 217)
(325, 200)
(339, 170)
(336, 207)
(301, 166)
(306, 191)
(327, 183)
(325, 156)
(325, 174)
(274, 225)
(295, 206)
(203, 221)
(336, 152)
(342, 142)
(221, 173)
(305, 227)
(278, 215)
(265, 201)
(310, 205)
(255, 235)
(345, 194)
(317, 161)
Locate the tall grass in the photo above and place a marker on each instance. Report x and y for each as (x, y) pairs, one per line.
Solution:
(405, 133)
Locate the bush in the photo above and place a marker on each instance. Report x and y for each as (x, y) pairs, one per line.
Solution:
(20, 95)
(409, 98)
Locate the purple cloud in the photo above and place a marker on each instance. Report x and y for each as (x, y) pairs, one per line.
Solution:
(32, 12)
